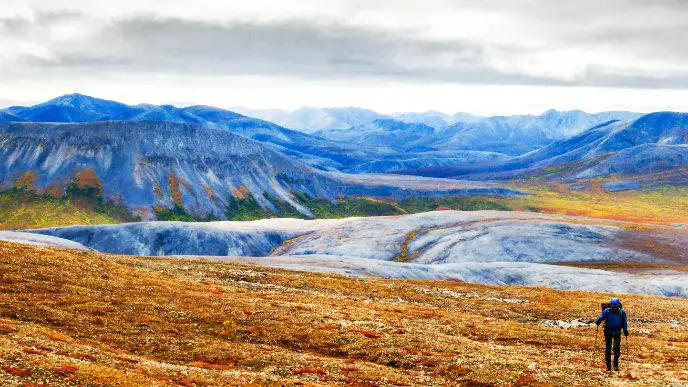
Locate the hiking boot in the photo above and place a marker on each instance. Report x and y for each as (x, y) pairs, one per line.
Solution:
(616, 368)
(609, 369)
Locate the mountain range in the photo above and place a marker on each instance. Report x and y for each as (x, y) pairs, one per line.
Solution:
(202, 169)
(555, 145)
(312, 119)
(346, 139)
(649, 150)
(315, 151)
(512, 135)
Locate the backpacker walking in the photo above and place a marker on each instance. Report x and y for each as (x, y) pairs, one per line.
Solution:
(615, 320)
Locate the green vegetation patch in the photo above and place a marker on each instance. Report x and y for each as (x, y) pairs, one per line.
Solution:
(22, 209)
(347, 206)
(179, 214)
(458, 203)
(247, 208)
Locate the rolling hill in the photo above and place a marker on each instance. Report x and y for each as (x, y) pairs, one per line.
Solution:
(488, 247)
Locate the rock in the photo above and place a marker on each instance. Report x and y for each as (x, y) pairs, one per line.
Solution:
(566, 324)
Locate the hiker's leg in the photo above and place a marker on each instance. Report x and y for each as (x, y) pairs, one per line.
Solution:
(608, 350)
(617, 350)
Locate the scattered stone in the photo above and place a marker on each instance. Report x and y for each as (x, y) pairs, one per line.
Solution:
(576, 323)
(473, 295)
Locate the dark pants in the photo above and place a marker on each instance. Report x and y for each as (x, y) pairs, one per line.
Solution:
(616, 339)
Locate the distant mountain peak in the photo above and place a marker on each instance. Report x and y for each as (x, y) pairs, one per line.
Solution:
(77, 100)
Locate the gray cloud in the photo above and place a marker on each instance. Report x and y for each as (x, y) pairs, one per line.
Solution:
(308, 49)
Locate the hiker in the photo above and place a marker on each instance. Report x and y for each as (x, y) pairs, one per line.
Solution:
(615, 321)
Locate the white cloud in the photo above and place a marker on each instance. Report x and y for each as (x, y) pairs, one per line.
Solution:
(406, 55)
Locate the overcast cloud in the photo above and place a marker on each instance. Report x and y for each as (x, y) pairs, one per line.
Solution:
(445, 55)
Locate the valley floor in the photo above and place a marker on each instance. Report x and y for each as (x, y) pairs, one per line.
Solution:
(72, 317)
(658, 205)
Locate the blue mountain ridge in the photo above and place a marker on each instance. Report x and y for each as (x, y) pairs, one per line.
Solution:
(655, 143)
(478, 148)
(162, 163)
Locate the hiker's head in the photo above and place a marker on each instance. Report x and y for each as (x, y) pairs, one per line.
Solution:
(615, 303)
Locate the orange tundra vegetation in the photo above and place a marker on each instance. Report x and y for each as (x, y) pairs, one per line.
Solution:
(87, 178)
(26, 181)
(659, 205)
(240, 193)
(209, 191)
(173, 182)
(84, 318)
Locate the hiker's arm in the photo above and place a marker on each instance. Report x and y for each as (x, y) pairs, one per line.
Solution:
(602, 317)
(625, 324)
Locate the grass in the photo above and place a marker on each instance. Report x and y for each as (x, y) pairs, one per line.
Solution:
(348, 206)
(178, 213)
(661, 205)
(458, 203)
(248, 208)
(24, 209)
(84, 318)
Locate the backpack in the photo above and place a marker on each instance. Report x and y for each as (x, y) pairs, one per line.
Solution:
(608, 304)
(605, 305)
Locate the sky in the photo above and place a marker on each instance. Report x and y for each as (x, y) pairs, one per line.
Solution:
(483, 57)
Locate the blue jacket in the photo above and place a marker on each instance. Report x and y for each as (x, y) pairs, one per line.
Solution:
(615, 321)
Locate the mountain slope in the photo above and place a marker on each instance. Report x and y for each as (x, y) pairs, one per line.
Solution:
(83, 318)
(70, 108)
(435, 119)
(563, 124)
(512, 135)
(515, 135)
(380, 133)
(313, 119)
(643, 159)
(653, 143)
(313, 150)
(202, 169)
(419, 159)
(9, 117)
(491, 134)
(318, 152)
(350, 139)
(663, 130)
